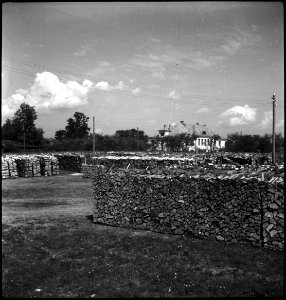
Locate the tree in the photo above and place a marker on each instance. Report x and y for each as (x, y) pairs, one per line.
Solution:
(77, 127)
(9, 132)
(126, 140)
(60, 135)
(22, 126)
(179, 142)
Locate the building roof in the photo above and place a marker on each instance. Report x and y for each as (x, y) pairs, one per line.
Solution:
(190, 128)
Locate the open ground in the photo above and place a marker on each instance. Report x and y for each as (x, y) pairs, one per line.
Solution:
(51, 249)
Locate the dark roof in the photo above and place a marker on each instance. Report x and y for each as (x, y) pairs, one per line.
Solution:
(185, 127)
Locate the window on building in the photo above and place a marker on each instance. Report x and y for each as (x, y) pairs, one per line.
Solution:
(199, 142)
(204, 132)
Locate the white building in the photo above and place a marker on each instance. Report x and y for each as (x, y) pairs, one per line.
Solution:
(205, 138)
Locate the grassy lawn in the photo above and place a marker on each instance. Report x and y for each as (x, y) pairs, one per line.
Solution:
(50, 249)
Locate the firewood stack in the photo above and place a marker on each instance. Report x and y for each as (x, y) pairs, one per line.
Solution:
(245, 210)
(24, 166)
(14, 166)
(70, 161)
(5, 167)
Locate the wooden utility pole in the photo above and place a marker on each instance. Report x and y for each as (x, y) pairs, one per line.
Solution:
(273, 129)
(24, 142)
(93, 136)
(137, 139)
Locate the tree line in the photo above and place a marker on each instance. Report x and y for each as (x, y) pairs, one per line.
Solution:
(21, 130)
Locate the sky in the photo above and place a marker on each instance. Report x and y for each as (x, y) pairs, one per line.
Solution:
(145, 65)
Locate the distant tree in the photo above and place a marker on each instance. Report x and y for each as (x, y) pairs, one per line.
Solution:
(126, 140)
(22, 126)
(60, 135)
(179, 142)
(77, 126)
(254, 143)
(9, 131)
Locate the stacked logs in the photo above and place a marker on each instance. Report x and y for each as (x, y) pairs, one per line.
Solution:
(14, 166)
(70, 161)
(49, 165)
(7, 165)
(232, 210)
(25, 165)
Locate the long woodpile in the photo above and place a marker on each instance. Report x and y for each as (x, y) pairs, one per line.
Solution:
(70, 161)
(14, 166)
(191, 165)
(246, 211)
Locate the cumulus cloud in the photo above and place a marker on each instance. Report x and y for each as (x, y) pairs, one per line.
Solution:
(267, 120)
(175, 95)
(103, 86)
(203, 110)
(238, 115)
(136, 91)
(48, 93)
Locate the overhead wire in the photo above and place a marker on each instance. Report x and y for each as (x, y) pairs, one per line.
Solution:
(151, 97)
(144, 89)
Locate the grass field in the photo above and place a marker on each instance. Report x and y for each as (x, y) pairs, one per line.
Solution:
(50, 249)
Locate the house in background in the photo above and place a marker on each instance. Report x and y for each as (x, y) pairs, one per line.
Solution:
(205, 138)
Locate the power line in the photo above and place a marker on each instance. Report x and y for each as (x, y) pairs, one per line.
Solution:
(197, 96)
(190, 101)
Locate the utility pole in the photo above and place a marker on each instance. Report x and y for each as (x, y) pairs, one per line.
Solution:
(24, 142)
(273, 129)
(137, 139)
(93, 136)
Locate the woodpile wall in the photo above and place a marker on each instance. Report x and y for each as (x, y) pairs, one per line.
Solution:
(70, 161)
(245, 211)
(29, 166)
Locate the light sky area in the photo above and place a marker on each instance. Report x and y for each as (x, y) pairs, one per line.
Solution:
(145, 64)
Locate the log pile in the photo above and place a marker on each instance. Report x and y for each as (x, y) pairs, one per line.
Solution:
(14, 166)
(193, 166)
(49, 165)
(70, 161)
(246, 211)
(25, 165)
(5, 167)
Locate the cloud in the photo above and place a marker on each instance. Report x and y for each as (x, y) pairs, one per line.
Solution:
(239, 39)
(103, 86)
(203, 110)
(47, 94)
(175, 95)
(238, 115)
(158, 75)
(120, 86)
(267, 120)
(136, 91)
(82, 51)
(280, 123)
(104, 64)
